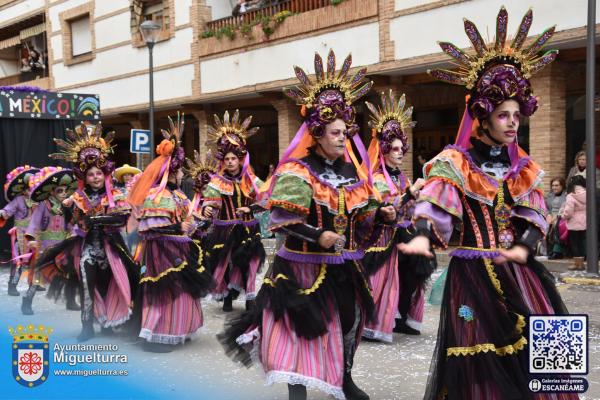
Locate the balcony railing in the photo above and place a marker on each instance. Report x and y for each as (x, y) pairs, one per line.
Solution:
(294, 6)
(29, 77)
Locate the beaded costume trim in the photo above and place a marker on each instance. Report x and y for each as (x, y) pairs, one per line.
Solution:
(178, 268)
(487, 347)
(317, 283)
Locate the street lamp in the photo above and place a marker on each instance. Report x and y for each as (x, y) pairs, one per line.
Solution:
(150, 31)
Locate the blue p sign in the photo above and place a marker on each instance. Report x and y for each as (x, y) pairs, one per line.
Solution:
(140, 141)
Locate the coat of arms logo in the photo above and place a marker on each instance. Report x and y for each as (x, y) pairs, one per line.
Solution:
(30, 354)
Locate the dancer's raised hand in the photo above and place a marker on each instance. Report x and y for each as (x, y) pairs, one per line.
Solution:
(418, 246)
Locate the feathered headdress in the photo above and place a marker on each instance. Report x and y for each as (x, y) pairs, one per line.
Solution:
(388, 123)
(231, 135)
(86, 148)
(201, 172)
(323, 101)
(330, 96)
(498, 71)
(170, 158)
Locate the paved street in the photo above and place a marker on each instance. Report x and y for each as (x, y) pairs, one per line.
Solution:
(385, 371)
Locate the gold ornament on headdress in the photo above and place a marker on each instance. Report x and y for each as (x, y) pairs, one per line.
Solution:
(84, 137)
(525, 59)
(228, 128)
(197, 166)
(390, 110)
(307, 93)
(175, 129)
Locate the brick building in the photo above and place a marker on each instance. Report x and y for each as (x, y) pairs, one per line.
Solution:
(207, 61)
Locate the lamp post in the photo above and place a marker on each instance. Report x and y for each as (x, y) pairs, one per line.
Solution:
(590, 132)
(150, 31)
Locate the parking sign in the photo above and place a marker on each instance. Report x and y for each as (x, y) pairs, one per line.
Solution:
(140, 141)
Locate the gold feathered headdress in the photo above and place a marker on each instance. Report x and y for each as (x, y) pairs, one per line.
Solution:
(230, 135)
(308, 93)
(472, 67)
(201, 170)
(85, 148)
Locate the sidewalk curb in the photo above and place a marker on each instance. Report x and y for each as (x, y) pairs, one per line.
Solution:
(581, 280)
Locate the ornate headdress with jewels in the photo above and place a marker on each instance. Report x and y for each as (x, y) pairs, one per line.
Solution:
(328, 98)
(498, 71)
(390, 120)
(331, 95)
(86, 148)
(201, 171)
(230, 135)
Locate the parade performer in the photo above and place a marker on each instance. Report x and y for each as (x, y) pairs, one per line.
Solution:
(200, 172)
(101, 263)
(491, 188)
(50, 224)
(234, 246)
(175, 277)
(312, 306)
(397, 281)
(126, 175)
(16, 193)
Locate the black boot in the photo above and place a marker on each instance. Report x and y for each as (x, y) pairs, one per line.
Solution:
(70, 292)
(157, 347)
(12, 289)
(87, 331)
(40, 288)
(297, 392)
(351, 391)
(228, 302)
(72, 305)
(401, 327)
(26, 306)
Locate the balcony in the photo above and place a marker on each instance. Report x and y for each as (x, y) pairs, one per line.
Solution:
(307, 17)
(41, 81)
(294, 6)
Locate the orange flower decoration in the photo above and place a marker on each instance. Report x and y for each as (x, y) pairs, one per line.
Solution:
(165, 148)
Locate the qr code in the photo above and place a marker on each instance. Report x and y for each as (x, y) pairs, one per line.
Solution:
(558, 344)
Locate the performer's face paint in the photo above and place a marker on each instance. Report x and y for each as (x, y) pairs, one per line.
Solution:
(60, 193)
(394, 157)
(503, 123)
(331, 144)
(232, 163)
(94, 178)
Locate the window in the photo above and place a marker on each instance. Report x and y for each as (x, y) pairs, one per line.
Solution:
(81, 36)
(158, 11)
(154, 10)
(77, 25)
(23, 52)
